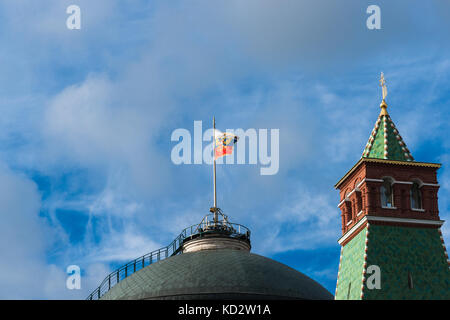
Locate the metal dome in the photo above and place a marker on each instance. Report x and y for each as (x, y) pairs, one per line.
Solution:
(217, 274)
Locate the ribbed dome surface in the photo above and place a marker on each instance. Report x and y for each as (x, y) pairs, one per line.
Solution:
(218, 274)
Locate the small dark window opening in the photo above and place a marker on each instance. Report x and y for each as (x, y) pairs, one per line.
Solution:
(410, 280)
(387, 194)
(358, 202)
(416, 196)
(348, 205)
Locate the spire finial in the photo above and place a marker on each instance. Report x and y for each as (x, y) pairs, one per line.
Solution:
(383, 85)
(383, 104)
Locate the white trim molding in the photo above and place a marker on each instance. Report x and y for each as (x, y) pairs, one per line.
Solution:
(352, 229)
(406, 220)
(402, 182)
(373, 180)
(388, 219)
(431, 184)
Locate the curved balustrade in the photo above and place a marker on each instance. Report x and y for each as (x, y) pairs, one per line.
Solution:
(207, 225)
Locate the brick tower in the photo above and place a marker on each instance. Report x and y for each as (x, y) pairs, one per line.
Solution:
(391, 245)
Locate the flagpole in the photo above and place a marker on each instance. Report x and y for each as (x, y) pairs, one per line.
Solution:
(214, 157)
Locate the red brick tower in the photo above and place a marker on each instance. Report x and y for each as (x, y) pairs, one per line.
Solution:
(390, 223)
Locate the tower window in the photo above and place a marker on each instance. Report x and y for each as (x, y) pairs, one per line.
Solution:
(358, 202)
(348, 206)
(416, 196)
(348, 217)
(387, 194)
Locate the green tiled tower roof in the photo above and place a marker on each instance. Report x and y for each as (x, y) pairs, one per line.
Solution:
(385, 142)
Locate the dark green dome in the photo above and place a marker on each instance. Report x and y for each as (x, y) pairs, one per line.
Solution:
(217, 274)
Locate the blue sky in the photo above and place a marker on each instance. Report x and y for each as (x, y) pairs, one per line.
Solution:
(85, 171)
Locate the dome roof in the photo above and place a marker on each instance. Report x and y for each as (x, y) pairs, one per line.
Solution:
(217, 274)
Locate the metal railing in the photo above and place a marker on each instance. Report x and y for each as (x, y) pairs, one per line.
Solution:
(207, 225)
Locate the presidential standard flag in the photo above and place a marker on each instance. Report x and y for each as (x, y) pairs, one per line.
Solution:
(224, 143)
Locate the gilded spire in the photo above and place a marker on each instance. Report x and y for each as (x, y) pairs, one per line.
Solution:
(385, 142)
(383, 104)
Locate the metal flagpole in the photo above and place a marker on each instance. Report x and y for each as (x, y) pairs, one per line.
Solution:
(214, 157)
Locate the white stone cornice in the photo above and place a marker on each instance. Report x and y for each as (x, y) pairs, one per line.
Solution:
(388, 219)
(352, 229)
(406, 220)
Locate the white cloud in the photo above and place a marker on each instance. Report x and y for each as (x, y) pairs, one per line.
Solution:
(23, 238)
(121, 246)
(93, 125)
(306, 220)
(105, 99)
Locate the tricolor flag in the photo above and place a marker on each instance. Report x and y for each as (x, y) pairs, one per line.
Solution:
(224, 143)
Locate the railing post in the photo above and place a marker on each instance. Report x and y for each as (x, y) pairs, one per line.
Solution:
(118, 277)
(98, 293)
(126, 270)
(109, 283)
(134, 266)
(143, 262)
(167, 252)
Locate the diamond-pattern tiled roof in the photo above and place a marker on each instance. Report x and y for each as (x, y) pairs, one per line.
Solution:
(385, 142)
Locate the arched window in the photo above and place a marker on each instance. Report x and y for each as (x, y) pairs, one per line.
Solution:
(387, 194)
(416, 196)
(358, 201)
(348, 206)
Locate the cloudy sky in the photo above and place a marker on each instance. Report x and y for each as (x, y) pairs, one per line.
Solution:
(87, 115)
